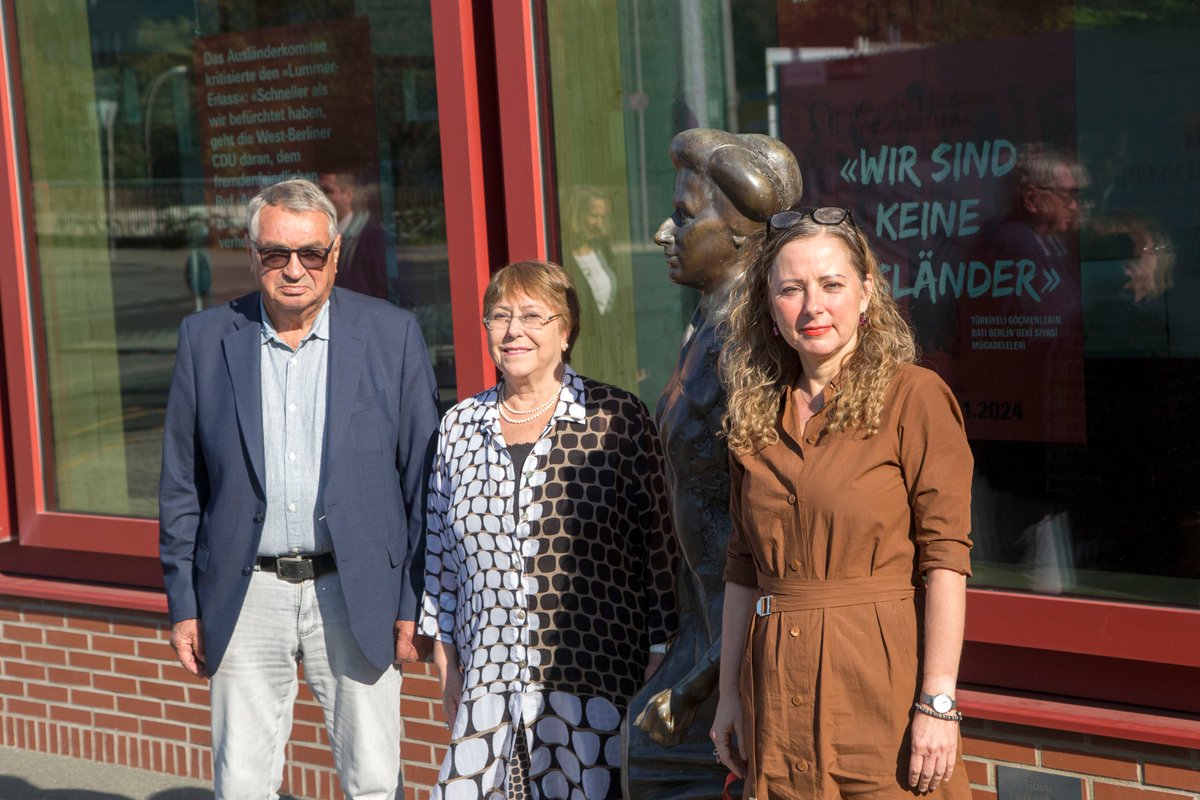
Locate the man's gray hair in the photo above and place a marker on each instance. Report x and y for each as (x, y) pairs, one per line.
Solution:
(296, 195)
(1037, 165)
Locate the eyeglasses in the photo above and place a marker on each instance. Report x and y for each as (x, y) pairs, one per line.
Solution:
(499, 320)
(280, 257)
(1068, 196)
(823, 215)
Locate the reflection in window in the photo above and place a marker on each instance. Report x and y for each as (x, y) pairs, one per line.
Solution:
(150, 125)
(1027, 177)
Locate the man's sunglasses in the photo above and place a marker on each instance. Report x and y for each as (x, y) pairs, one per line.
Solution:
(280, 257)
(823, 215)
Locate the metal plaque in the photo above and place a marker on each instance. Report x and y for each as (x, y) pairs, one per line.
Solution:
(1014, 783)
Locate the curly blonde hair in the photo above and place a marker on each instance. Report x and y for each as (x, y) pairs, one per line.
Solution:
(756, 365)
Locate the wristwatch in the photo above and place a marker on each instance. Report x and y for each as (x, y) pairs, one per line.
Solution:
(941, 703)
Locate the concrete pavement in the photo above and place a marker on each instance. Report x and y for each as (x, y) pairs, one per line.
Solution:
(26, 775)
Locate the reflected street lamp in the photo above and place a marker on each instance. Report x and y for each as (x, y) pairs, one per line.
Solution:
(178, 69)
(107, 109)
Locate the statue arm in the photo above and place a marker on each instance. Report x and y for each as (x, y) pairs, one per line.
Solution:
(668, 715)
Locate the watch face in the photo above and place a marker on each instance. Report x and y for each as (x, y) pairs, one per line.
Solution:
(943, 704)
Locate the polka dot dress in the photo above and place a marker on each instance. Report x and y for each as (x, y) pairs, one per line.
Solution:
(552, 612)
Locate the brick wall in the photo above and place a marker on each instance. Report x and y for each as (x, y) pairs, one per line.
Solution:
(1108, 769)
(104, 685)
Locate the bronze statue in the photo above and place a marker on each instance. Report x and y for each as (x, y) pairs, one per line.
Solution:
(726, 187)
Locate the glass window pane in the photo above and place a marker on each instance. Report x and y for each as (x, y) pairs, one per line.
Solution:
(150, 125)
(1027, 176)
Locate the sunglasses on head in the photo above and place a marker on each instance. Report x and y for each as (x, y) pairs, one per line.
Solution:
(822, 215)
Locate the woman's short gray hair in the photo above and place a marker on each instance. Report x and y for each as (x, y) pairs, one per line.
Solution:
(297, 195)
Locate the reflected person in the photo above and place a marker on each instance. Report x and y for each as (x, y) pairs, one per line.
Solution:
(589, 228)
(1149, 264)
(726, 187)
(1048, 204)
(365, 250)
(1126, 316)
(1129, 320)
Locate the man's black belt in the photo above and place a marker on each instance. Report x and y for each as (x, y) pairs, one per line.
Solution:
(297, 568)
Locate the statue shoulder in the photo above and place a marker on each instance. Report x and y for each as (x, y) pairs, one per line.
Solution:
(698, 375)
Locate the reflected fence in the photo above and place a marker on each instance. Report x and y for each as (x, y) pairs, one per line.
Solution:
(176, 213)
(144, 212)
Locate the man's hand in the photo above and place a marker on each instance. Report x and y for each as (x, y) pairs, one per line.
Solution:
(406, 651)
(187, 640)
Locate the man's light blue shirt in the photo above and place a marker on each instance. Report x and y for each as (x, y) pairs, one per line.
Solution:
(293, 418)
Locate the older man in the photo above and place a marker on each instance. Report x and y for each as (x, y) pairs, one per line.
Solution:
(294, 450)
(1049, 200)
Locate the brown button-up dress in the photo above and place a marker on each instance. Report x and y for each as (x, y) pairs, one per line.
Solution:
(837, 529)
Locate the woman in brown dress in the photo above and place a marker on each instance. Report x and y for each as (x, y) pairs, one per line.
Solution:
(847, 563)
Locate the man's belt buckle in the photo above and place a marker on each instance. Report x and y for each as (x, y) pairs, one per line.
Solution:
(294, 569)
(763, 606)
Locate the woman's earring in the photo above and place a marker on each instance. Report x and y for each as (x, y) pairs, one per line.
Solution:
(774, 330)
(862, 320)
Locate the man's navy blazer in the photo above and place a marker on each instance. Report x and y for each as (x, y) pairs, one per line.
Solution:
(381, 416)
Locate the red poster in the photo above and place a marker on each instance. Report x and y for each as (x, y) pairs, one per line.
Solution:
(280, 103)
(920, 141)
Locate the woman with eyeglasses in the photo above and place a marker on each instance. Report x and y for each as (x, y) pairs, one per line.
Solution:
(549, 584)
(846, 569)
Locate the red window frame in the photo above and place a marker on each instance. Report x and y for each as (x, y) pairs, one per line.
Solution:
(521, 132)
(7, 179)
(36, 525)
(471, 180)
(6, 520)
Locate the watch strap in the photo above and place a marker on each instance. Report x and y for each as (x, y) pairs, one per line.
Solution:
(928, 699)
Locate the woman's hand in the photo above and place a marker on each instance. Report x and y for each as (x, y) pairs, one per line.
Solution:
(445, 658)
(727, 734)
(934, 751)
(935, 741)
(451, 696)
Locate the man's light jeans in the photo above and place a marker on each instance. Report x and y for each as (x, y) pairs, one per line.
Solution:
(255, 687)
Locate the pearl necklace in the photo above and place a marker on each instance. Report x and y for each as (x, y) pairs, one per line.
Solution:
(530, 416)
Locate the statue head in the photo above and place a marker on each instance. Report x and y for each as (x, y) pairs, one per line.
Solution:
(726, 188)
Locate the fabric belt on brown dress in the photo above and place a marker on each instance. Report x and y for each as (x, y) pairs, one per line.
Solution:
(792, 594)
